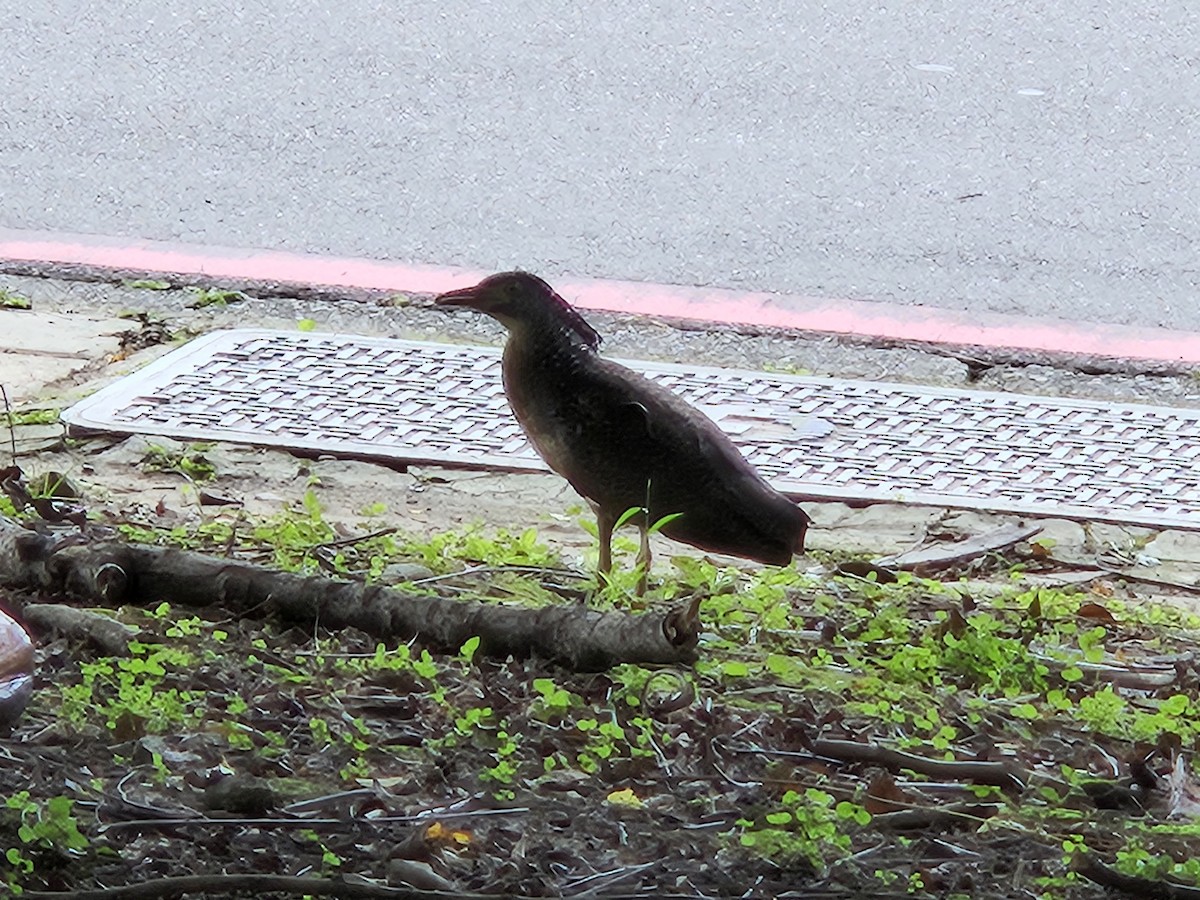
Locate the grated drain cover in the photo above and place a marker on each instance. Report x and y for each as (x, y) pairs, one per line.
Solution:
(412, 401)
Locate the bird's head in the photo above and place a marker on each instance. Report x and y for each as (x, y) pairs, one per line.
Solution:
(519, 301)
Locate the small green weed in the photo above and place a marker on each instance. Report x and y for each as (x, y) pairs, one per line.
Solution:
(130, 695)
(330, 861)
(190, 461)
(204, 297)
(1136, 859)
(295, 532)
(806, 826)
(10, 299)
(47, 833)
(607, 741)
(784, 367)
(553, 702)
(479, 726)
(503, 773)
(475, 544)
(46, 416)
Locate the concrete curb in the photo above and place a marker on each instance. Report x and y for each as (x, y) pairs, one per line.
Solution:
(51, 253)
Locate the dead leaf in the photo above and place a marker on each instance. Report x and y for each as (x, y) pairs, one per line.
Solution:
(1096, 611)
(451, 838)
(625, 797)
(955, 624)
(1035, 608)
(885, 796)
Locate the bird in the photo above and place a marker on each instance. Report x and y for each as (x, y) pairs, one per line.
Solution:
(624, 442)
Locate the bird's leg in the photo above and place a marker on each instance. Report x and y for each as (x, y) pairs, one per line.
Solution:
(604, 529)
(643, 558)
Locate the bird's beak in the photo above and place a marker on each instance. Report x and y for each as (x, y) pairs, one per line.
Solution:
(468, 296)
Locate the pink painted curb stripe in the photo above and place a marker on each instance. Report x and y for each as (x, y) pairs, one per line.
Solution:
(861, 318)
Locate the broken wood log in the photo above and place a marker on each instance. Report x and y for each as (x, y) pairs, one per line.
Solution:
(107, 635)
(111, 573)
(940, 556)
(1087, 865)
(1006, 775)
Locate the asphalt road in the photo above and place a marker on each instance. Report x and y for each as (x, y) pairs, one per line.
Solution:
(1028, 156)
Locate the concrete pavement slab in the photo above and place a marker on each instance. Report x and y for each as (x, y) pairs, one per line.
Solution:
(46, 350)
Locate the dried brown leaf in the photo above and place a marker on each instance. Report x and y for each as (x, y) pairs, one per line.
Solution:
(1097, 612)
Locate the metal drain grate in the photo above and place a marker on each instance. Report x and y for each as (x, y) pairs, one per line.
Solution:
(843, 440)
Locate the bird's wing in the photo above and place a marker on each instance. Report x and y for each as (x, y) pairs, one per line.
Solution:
(683, 429)
(666, 422)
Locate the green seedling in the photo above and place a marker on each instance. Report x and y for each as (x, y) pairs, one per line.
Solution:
(805, 827)
(46, 416)
(205, 297)
(47, 833)
(190, 461)
(12, 300)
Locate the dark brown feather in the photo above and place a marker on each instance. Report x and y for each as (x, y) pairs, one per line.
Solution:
(623, 441)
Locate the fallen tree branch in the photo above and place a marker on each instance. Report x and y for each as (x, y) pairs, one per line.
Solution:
(1144, 678)
(345, 886)
(1092, 869)
(954, 815)
(109, 636)
(940, 556)
(255, 885)
(112, 573)
(1102, 570)
(998, 774)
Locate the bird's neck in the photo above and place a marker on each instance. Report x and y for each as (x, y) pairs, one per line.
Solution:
(540, 361)
(546, 337)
